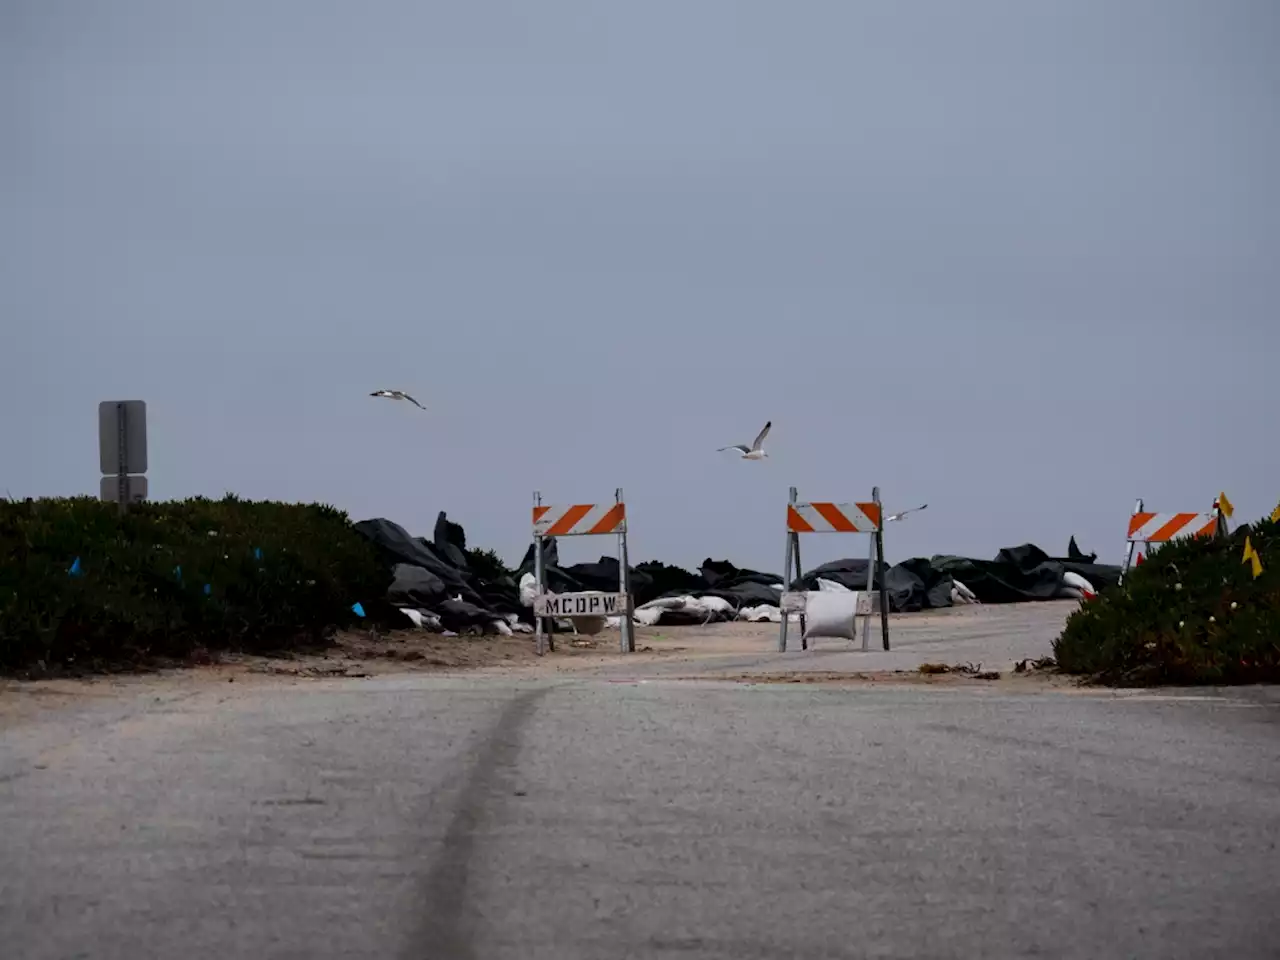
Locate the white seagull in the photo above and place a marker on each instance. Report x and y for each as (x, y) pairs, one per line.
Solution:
(397, 395)
(899, 516)
(756, 450)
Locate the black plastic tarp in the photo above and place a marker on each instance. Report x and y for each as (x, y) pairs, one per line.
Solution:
(912, 585)
(450, 541)
(426, 580)
(416, 587)
(1016, 574)
(395, 543)
(557, 580)
(434, 576)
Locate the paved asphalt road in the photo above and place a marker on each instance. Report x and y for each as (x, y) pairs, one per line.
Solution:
(497, 817)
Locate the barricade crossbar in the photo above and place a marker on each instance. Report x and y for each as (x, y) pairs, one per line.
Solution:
(1147, 528)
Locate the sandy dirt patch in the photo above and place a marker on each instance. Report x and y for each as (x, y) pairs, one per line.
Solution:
(733, 651)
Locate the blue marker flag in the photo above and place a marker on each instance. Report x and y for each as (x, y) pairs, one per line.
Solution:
(75, 568)
(207, 589)
(177, 571)
(357, 609)
(257, 553)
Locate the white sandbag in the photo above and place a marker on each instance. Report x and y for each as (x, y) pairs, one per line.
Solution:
(701, 611)
(1077, 582)
(701, 608)
(528, 589)
(647, 615)
(716, 605)
(519, 627)
(423, 619)
(960, 594)
(667, 603)
(831, 614)
(830, 586)
(501, 627)
(760, 614)
(765, 613)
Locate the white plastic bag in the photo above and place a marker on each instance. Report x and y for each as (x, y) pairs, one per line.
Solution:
(830, 586)
(528, 589)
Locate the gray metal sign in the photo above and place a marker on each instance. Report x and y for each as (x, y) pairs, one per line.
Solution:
(122, 437)
(134, 489)
(587, 604)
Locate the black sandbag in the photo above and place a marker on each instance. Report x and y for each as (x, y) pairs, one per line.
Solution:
(396, 546)
(850, 572)
(916, 584)
(458, 615)
(1033, 570)
(415, 587)
(1039, 571)
(1000, 581)
(748, 593)
(556, 579)
(938, 596)
(450, 541)
(719, 573)
(911, 585)
(744, 595)
(550, 557)
(906, 590)
(666, 581)
(1076, 555)
(1102, 576)
(501, 595)
(684, 618)
(603, 575)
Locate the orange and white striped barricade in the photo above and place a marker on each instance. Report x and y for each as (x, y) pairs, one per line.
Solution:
(1147, 528)
(581, 520)
(825, 517)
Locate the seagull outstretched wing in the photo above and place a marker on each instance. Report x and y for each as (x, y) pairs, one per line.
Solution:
(397, 395)
(903, 513)
(759, 441)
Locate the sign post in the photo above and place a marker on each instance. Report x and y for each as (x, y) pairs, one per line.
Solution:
(122, 451)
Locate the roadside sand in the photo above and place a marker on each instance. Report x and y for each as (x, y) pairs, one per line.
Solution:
(732, 652)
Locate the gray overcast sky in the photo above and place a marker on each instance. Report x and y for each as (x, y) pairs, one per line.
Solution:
(1017, 259)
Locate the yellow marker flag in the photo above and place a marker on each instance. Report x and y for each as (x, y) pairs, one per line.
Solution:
(1251, 556)
(1275, 514)
(1225, 506)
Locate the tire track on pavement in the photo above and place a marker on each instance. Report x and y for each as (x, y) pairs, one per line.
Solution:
(447, 928)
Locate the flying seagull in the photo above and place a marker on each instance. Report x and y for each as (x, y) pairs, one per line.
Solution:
(899, 516)
(756, 450)
(397, 395)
